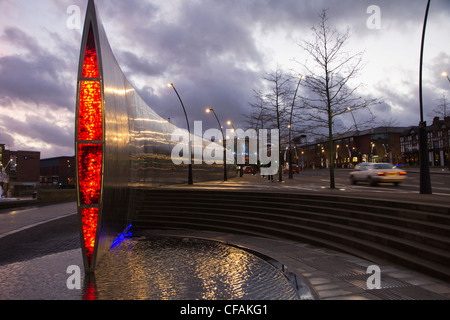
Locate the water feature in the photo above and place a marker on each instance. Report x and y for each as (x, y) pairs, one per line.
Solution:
(160, 268)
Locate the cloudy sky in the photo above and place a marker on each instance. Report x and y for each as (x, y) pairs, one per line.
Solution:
(214, 51)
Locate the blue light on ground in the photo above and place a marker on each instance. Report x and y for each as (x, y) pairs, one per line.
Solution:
(121, 237)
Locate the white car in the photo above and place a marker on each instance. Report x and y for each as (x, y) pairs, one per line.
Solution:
(374, 173)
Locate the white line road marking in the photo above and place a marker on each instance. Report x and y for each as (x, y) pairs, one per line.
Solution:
(34, 225)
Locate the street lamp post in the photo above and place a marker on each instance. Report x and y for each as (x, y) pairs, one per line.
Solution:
(241, 165)
(190, 178)
(356, 128)
(425, 180)
(224, 144)
(445, 74)
(290, 127)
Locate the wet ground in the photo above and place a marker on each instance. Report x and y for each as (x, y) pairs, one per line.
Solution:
(37, 245)
(171, 268)
(34, 265)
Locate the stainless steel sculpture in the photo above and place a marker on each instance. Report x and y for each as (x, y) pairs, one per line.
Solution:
(121, 144)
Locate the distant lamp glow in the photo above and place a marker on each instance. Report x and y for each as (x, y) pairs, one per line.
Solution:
(445, 74)
(232, 126)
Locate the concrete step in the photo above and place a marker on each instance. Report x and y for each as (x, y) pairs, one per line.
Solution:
(419, 225)
(414, 235)
(381, 204)
(423, 237)
(361, 248)
(431, 213)
(297, 223)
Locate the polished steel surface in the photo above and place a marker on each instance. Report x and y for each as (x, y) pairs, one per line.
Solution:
(136, 141)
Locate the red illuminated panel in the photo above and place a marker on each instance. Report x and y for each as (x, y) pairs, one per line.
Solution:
(90, 292)
(90, 111)
(89, 172)
(90, 64)
(89, 220)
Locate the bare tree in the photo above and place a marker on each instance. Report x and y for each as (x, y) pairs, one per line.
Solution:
(259, 117)
(329, 80)
(277, 100)
(441, 109)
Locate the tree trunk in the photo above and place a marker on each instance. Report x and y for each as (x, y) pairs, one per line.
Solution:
(331, 146)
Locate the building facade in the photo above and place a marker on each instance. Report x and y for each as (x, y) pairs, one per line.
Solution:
(20, 172)
(438, 137)
(57, 172)
(380, 144)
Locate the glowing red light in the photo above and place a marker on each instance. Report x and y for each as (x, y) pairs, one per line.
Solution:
(90, 148)
(89, 220)
(90, 111)
(90, 172)
(90, 292)
(90, 64)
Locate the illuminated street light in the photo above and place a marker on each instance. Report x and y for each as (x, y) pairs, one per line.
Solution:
(190, 178)
(445, 74)
(208, 110)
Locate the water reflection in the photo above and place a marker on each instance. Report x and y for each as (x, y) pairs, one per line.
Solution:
(166, 268)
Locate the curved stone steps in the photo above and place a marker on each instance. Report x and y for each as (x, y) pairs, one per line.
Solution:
(296, 216)
(406, 234)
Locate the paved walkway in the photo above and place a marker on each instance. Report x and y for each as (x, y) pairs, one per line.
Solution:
(330, 274)
(19, 219)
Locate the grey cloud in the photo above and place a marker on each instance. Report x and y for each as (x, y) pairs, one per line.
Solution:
(139, 64)
(205, 53)
(209, 53)
(44, 129)
(6, 137)
(37, 77)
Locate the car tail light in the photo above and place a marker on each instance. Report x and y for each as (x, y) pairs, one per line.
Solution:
(381, 173)
(403, 173)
